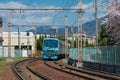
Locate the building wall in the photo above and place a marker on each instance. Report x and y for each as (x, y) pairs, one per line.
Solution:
(91, 40)
(14, 39)
(38, 35)
(76, 35)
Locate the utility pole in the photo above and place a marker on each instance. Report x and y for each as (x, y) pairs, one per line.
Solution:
(66, 35)
(79, 31)
(35, 43)
(72, 30)
(19, 45)
(96, 22)
(9, 35)
(56, 32)
(84, 44)
(28, 44)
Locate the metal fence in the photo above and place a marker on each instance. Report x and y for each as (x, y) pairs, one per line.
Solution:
(14, 53)
(101, 54)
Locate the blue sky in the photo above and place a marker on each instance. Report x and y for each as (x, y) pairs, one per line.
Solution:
(50, 17)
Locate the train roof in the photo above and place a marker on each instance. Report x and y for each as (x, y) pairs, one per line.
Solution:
(51, 39)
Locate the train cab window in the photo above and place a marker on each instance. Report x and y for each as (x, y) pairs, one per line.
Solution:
(50, 43)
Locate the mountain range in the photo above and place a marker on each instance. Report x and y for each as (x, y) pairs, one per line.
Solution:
(89, 28)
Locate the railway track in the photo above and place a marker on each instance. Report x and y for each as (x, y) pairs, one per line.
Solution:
(60, 72)
(83, 75)
(37, 69)
(24, 72)
(88, 71)
(52, 73)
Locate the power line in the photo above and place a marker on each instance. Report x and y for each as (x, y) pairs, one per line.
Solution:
(44, 9)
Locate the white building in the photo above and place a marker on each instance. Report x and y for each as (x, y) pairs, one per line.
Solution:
(26, 43)
(91, 40)
(38, 35)
(23, 39)
(75, 36)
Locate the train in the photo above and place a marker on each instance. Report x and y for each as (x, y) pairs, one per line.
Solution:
(52, 49)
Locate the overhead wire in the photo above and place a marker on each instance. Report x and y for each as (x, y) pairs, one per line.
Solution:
(62, 16)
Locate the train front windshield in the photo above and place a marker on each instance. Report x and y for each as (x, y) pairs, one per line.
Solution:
(50, 44)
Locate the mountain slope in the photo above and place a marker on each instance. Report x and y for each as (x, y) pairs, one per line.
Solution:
(89, 28)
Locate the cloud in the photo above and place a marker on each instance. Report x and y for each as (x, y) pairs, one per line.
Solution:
(50, 7)
(89, 9)
(27, 14)
(28, 20)
(84, 6)
(38, 20)
(17, 5)
(13, 5)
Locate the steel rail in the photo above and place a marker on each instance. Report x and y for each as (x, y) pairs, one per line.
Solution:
(92, 72)
(15, 69)
(36, 73)
(88, 78)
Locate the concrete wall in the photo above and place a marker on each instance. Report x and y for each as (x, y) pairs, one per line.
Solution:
(14, 39)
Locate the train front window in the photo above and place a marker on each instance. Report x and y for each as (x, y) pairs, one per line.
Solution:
(50, 43)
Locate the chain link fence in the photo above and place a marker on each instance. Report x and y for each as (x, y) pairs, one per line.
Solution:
(14, 53)
(101, 54)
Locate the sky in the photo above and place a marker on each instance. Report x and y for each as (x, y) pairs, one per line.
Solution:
(54, 18)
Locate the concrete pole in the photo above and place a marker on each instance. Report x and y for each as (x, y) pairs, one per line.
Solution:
(19, 45)
(9, 58)
(66, 35)
(72, 30)
(56, 32)
(79, 31)
(9, 35)
(35, 43)
(96, 22)
(28, 44)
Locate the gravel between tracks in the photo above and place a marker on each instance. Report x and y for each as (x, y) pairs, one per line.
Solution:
(40, 67)
(25, 72)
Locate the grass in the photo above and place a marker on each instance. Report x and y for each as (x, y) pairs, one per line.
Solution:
(3, 63)
(19, 58)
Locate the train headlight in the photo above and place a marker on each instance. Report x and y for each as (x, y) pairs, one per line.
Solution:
(56, 49)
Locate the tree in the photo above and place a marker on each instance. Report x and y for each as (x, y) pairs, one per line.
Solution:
(38, 45)
(113, 22)
(40, 41)
(89, 45)
(62, 38)
(103, 36)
